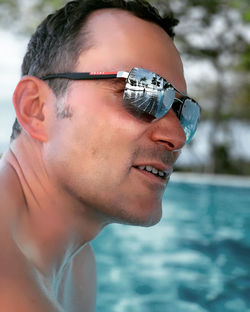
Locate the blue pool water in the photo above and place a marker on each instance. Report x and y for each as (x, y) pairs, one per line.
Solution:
(196, 259)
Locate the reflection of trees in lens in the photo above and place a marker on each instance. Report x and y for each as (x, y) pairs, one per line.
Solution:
(143, 79)
(133, 82)
(154, 80)
(157, 81)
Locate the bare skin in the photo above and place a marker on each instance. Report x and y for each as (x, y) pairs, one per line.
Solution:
(63, 180)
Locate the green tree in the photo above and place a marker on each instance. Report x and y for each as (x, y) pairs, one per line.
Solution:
(23, 16)
(217, 32)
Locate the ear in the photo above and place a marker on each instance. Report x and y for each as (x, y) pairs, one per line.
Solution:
(29, 99)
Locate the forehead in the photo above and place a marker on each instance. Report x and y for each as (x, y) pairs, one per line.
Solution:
(122, 41)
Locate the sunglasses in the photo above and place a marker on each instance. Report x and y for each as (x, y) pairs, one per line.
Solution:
(148, 96)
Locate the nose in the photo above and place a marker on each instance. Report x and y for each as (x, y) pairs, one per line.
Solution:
(168, 131)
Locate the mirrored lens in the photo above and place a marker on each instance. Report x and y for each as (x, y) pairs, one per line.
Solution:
(189, 118)
(166, 102)
(148, 94)
(143, 91)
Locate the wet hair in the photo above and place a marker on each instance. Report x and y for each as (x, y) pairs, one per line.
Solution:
(60, 39)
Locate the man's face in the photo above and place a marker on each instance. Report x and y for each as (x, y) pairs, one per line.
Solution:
(95, 154)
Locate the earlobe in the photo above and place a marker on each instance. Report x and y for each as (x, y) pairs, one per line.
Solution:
(28, 99)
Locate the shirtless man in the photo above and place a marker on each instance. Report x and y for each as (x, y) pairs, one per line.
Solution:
(86, 153)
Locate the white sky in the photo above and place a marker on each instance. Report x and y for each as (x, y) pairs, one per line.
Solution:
(11, 53)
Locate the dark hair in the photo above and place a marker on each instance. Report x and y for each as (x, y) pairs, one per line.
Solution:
(60, 38)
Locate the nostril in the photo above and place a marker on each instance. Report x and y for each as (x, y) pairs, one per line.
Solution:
(169, 144)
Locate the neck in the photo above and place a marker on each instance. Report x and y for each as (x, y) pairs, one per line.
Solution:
(50, 226)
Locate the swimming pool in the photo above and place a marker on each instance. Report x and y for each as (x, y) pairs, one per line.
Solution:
(196, 259)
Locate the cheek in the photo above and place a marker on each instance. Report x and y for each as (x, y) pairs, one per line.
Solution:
(103, 147)
(98, 143)
(106, 132)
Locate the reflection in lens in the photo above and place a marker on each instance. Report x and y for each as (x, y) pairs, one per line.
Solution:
(148, 95)
(143, 91)
(145, 79)
(141, 100)
(189, 118)
(166, 101)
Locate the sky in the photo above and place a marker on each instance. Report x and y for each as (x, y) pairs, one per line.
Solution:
(11, 53)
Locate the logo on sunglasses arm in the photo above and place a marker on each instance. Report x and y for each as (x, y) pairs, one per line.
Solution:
(102, 73)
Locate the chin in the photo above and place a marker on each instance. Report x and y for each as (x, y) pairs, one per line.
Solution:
(143, 217)
(151, 221)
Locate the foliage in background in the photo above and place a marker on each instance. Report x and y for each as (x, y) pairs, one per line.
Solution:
(24, 15)
(217, 32)
(212, 32)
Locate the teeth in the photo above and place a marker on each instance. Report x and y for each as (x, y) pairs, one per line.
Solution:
(149, 168)
(153, 170)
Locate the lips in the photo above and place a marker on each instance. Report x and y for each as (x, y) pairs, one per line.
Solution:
(163, 174)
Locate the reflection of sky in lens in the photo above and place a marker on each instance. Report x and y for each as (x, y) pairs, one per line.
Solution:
(189, 118)
(146, 79)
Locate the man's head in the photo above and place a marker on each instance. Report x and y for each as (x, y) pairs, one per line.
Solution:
(103, 156)
(62, 37)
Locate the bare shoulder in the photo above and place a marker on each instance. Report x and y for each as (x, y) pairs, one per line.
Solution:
(20, 289)
(17, 296)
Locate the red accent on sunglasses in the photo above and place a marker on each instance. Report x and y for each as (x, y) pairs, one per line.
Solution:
(103, 73)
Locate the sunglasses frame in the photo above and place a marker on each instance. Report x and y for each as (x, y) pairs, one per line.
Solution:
(125, 75)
